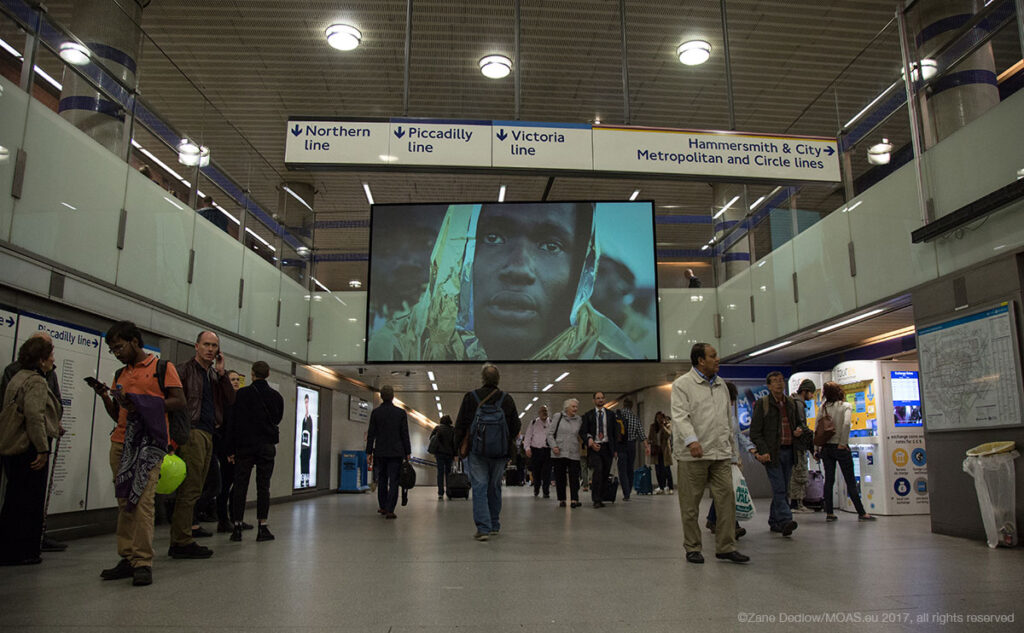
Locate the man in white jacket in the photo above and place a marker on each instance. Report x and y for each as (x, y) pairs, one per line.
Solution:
(703, 447)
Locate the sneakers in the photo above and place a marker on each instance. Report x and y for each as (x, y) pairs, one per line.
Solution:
(201, 532)
(801, 508)
(480, 536)
(263, 534)
(866, 517)
(50, 545)
(142, 576)
(192, 550)
(236, 533)
(123, 569)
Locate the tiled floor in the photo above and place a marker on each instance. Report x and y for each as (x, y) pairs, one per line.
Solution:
(337, 566)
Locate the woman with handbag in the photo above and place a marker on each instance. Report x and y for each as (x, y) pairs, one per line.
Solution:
(563, 438)
(29, 420)
(660, 436)
(836, 413)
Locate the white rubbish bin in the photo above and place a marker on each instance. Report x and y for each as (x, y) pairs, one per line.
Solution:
(991, 466)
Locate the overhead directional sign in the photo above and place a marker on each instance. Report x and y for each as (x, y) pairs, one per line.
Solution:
(717, 154)
(542, 145)
(404, 142)
(440, 142)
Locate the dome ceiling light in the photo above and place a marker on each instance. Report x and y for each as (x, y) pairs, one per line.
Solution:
(496, 66)
(343, 37)
(74, 53)
(694, 52)
(879, 154)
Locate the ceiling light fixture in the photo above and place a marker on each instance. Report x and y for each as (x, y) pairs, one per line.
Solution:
(694, 52)
(851, 320)
(757, 203)
(75, 54)
(560, 378)
(725, 208)
(880, 153)
(343, 37)
(434, 386)
(929, 68)
(302, 251)
(501, 194)
(496, 66)
(636, 192)
(430, 375)
(296, 196)
(768, 349)
(369, 196)
(548, 387)
(192, 154)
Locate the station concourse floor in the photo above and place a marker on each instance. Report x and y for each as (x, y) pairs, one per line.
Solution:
(338, 566)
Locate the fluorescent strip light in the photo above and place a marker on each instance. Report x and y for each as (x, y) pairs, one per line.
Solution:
(438, 398)
(230, 217)
(160, 163)
(501, 194)
(522, 414)
(430, 375)
(535, 399)
(636, 192)
(725, 208)
(768, 349)
(888, 336)
(757, 202)
(369, 196)
(560, 378)
(10, 49)
(855, 205)
(265, 242)
(53, 82)
(527, 407)
(705, 247)
(548, 387)
(320, 285)
(872, 104)
(69, 206)
(176, 205)
(434, 385)
(851, 320)
(296, 196)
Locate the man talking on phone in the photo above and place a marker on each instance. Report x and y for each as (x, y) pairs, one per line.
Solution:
(208, 391)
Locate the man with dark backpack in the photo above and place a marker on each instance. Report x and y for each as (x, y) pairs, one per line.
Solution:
(484, 429)
(142, 375)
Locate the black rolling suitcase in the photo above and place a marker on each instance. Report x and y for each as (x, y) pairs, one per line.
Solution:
(458, 484)
(611, 489)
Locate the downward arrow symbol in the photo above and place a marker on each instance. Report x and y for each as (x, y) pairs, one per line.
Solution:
(399, 132)
(501, 135)
(296, 130)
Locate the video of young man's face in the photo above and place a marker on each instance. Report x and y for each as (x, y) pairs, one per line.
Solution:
(521, 281)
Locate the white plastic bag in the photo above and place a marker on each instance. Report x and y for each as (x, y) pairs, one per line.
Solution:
(744, 504)
(994, 482)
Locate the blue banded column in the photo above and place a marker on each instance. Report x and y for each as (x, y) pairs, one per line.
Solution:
(736, 258)
(968, 90)
(115, 40)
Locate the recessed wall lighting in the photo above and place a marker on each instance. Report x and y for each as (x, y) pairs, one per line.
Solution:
(343, 37)
(355, 283)
(74, 53)
(496, 66)
(694, 52)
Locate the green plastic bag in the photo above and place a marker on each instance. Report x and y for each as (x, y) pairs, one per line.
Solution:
(172, 473)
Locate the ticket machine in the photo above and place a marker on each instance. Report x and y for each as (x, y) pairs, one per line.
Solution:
(886, 437)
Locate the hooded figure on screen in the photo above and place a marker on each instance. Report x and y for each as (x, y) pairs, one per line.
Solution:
(508, 282)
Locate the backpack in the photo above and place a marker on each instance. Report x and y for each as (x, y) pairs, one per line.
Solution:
(489, 431)
(435, 442)
(178, 424)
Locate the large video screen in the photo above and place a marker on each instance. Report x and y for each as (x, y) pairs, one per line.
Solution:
(521, 281)
(307, 435)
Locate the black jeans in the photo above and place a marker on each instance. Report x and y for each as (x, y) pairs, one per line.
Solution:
(444, 470)
(262, 457)
(564, 466)
(21, 519)
(600, 466)
(227, 484)
(540, 467)
(831, 455)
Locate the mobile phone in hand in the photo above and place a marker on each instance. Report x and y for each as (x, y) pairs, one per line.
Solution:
(95, 384)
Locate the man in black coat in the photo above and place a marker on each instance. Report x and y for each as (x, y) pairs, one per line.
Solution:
(250, 438)
(387, 443)
(597, 431)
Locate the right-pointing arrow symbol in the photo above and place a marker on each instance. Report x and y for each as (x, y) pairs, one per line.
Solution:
(399, 132)
(501, 134)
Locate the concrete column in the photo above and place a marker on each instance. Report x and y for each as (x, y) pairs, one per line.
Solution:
(115, 40)
(968, 90)
(732, 197)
